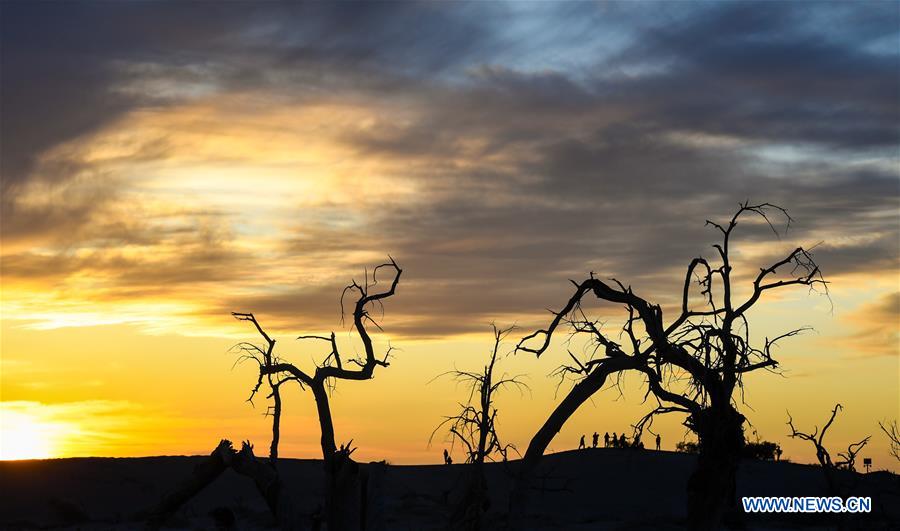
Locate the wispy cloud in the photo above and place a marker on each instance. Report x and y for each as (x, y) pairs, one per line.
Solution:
(877, 328)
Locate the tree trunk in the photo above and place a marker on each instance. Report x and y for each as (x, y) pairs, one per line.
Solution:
(712, 487)
(580, 393)
(343, 487)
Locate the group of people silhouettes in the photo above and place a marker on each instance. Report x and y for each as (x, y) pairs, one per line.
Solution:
(609, 441)
(614, 441)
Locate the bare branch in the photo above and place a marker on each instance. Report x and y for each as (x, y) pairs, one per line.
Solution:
(848, 461)
(893, 435)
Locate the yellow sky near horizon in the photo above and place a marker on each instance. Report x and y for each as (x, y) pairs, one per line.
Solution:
(389, 417)
(116, 332)
(164, 393)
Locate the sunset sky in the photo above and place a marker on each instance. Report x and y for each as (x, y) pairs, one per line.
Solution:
(165, 164)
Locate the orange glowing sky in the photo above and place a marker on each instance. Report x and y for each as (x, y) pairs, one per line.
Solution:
(159, 172)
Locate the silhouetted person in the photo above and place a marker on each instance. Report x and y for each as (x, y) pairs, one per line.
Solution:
(596, 439)
(658, 442)
(581, 443)
(447, 459)
(622, 442)
(606, 440)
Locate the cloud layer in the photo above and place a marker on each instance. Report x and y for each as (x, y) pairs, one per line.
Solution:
(255, 157)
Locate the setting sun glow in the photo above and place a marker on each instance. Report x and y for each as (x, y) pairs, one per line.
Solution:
(24, 437)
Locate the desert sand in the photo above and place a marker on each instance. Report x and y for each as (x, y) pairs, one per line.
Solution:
(588, 489)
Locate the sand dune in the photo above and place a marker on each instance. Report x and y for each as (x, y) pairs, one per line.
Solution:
(590, 489)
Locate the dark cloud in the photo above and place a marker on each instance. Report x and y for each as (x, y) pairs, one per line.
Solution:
(72, 68)
(539, 157)
(766, 72)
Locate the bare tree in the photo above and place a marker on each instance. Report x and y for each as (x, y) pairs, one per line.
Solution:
(264, 357)
(693, 364)
(475, 425)
(342, 502)
(893, 435)
(475, 428)
(848, 458)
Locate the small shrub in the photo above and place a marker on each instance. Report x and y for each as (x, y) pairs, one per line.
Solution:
(687, 447)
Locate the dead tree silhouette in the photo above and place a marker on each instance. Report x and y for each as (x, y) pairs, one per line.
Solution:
(893, 435)
(265, 359)
(343, 481)
(848, 458)
(475, 427)
(693, 365)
